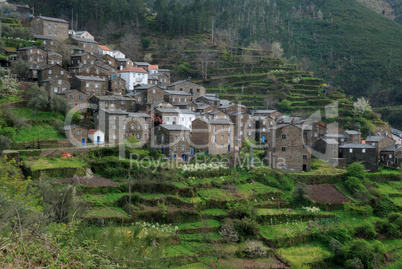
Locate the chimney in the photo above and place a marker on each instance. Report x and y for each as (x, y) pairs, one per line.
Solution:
(369, 134)
(358, 130)
(189, 79)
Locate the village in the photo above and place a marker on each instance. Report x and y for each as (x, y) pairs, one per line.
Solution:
(120, 98)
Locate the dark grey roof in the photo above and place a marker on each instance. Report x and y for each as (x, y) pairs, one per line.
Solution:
(90, 78)
(30, 47)
(177, 82)
(141, 63)
(182, 103)
(71, 90)
(176, 93)
(351, 132)
(122, 59)
(393, 148)
(44, 37)
(335, 135)
(220, 121)
(264, 111)
(357, 146)
(79, 54)
(116, 111)
(139, 115)
(235, 113)
(174, 127)
(84, 40)
(146, 86)
(52, 19)
(330, 141)
(375, 138)
(133, 93)
(112, 98)
(164, 70)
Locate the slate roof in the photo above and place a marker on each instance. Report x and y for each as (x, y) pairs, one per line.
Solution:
(83, 40)
(375, 138)
(351, 132)
(52, 19)
(330, 141)
(90, 78)
(175, 110)
(174, 127)
(357, 146)
(217, 121)
(393, 148)
(139, 115)
(44, 37)
(176, 93)
(264, 111)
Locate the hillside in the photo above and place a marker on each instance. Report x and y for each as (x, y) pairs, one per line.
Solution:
(344, 42)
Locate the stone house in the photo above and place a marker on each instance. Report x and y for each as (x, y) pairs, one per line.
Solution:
(171, 116)
(75, 98)
(153, 69)
(142, 65)
(47, 26)
(318, 131)
(113, 123)
(340, 138)
(82, 59)
(55, 85)
(117, 86)
(54, 58)
(327, 150)
(109, 60)
(152, 93)
(82, 34)
(48, 41)
(273, 114)
(232, 107)
(391, 156)
(187, 86)
(213, 136)
(123, 63)
(380, 142)
(87, 45)
(94, 71)
(53, 71)
(77, 135)
(134, 76)
(244, 125)
(172, 140)
(35, 55)
(263, 125)
(177, 97)
(210, 99)
(111, 102)
(139, 125)
(359, 153)
(89, 84)
(352, 137)
(160, 79)
(287, 148)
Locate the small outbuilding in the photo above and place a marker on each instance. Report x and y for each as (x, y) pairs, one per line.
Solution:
(96, 136)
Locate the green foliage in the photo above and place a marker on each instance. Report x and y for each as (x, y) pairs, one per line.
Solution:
(354, 263)
(367, 230)
(21, 69)
(5, 143)
(384, 206)
(58, 105)
(145, 43)
(355, 186)
(240, 211)
(299, 195)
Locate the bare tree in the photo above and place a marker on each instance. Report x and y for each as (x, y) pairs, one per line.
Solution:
(269, 101)
(130, 45)
(277, 50)
(62, 48)
(248, 60)
(204, 57)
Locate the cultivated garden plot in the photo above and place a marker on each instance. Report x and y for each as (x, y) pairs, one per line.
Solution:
(327, 193)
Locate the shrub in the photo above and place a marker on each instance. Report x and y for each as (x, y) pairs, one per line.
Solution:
(355, 186)
(342, 234)
(367, 230)
(228, 231)
(299, 195)
(355, 263)
(356, 170)
(363, 251)
(384, 206)
(335, 246)
(396, 218)
(255, 249)
(387, 228)
(246, 227)
(358, 209)
(240, 211)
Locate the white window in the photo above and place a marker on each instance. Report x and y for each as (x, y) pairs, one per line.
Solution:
(132, 128)
(114, 136)
(229, 140)
(56, 89)
(153, 91)
(373, 144)
(114, 126)
(87, 85)
(214, 129)
(390, 156)
(222, 127)
(44, 42)
(364, 150)
(174, 99)
(183, 138)
(61, 72)
(315, 134)
(78, 132)
(96, 85)
(167, 118)
(175, 149)
(124, 127)
(162, 138)
(214, 138)
(182, 148)
(263, 129)
(139, 127)
(213, 147)
(139, 99)
(52, 62)
(31, 50)
(241, 116)
(350, 150)
(222, 137)
(230, 129)
(50, 72)
(174, 118)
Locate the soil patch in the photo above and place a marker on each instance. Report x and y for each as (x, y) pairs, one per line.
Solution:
(327, 193)
(90, 182)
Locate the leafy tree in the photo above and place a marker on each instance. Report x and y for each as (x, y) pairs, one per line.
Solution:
(20, 123)
(21, 69)
(38, 99)
(277, 50)
(361, 106)
(58, 105)
(59, 126)
(5, 143)
(9, 132)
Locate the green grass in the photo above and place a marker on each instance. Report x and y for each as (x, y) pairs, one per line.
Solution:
(25, 112)
(108, 199)
(216, 194)
(247, 189)
(46, 132)
(214, 212)
(397, 200)
(199, 224)
(200, 237)
(10, 99)
(111, 212)
(320, 167)
(286, 230)
(188, 249)
(389, 188)
(46, 163)
(305, 254)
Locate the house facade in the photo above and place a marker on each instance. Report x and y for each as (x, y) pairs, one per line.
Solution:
(195, 90)
(52, 27)
(359, 153)
(133, 76)
(172, 140)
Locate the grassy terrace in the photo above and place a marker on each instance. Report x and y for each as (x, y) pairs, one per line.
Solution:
(305, 254)
(46, 131)
(47, 163)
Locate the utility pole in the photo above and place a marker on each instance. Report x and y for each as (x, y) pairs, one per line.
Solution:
(252, 140)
